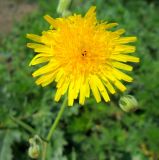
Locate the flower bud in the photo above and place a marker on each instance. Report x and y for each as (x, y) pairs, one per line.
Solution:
(34, 151)
(63, 5)
(128, 103)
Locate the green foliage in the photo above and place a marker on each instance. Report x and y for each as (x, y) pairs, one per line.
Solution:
(7, 138)
(94, 131)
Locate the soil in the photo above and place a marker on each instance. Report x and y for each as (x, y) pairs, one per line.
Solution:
(11, 11)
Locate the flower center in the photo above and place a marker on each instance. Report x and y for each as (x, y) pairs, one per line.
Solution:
(84, 53)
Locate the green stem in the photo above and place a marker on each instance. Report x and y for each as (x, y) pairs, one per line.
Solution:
(23, 124)
(53, 127)
(26, 127)
(44, 150)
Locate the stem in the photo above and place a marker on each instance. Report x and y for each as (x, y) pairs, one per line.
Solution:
(44, 150)
(23, 124)
(53, 127)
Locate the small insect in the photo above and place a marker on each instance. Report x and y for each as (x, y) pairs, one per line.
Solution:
(84, 53)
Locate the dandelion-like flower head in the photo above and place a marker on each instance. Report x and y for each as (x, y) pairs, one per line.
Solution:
(82, 55)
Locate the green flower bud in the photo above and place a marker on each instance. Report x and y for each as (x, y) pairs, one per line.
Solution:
(128, 103)
(34, 151)
(63, 5)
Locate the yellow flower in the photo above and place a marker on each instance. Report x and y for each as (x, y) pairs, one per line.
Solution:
(82, 55)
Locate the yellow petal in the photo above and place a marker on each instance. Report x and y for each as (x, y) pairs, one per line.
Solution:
(122, 76)
(58, 95)
(125, 58)
(77, 86)
(46, 69)
(65, 86)
(126, 39)
(109, 86)
(70, 94)
(51, 20)
(34, 37)
(84, 90)
(119, 32)
(45, 79)
(94, 89)
(102, 89)
(87, 91)
(124, 49)
(116, 82)
(48, 82)
(35, 45)
(91, 15)
(110, 25)
(122, 66)
(44, 50)
(59, 75)
(61, 82)
(119, 85)
(91, 12)
(39, 60)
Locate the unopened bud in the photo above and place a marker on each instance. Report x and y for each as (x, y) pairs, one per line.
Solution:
(63, 5)
(34, 151)
(128, 103)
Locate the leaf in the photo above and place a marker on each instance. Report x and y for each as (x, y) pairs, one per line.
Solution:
(6, 140)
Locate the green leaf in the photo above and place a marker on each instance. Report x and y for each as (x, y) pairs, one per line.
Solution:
(6, 140)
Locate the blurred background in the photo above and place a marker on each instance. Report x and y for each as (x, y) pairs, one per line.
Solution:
(94, 131)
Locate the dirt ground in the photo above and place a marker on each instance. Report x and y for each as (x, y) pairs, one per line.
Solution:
(11, 11)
